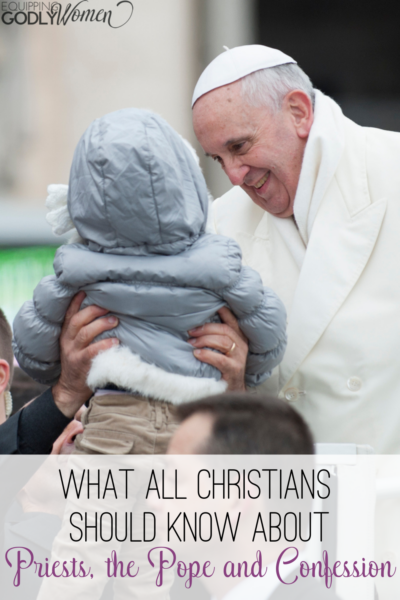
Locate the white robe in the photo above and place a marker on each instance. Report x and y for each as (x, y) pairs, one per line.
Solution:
(339, 277)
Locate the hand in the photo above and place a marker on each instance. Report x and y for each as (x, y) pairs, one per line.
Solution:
(228, 339)
(65, 442)
(77, 352)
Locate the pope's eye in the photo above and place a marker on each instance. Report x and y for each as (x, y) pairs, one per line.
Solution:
(237, 147)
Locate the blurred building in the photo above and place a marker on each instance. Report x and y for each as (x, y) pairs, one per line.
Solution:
(350, 50)
(54, 80)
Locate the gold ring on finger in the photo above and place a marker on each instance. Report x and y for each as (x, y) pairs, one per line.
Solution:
(231, 349)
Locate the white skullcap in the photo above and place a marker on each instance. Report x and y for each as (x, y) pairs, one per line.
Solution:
(237, 63)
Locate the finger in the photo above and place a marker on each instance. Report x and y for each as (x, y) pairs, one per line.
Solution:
(232, 370)
(87, 334)
(84, 317)
(79, 413)
(74, 306)
(215, 329)
(229, 319)
(222, 343)
(94, 349)
(76, 427)
(219, 361)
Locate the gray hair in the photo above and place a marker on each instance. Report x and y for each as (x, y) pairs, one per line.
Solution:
(268, 87)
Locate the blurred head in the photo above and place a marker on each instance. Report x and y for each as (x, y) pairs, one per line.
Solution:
(257, 129)
(240, 424)
(6, 362)
(24, 389)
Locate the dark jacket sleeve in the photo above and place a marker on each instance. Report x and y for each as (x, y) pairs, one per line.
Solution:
(34, 429)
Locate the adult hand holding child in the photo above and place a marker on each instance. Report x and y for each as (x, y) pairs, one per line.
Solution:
(231, 343)
(77, 352)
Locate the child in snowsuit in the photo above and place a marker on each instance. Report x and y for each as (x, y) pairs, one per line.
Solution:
(139, 202)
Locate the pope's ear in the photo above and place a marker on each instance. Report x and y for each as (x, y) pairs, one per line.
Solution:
(4, 374)
(299, 106)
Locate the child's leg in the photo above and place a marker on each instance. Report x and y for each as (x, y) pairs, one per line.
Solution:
(130, 424)
(126, 424)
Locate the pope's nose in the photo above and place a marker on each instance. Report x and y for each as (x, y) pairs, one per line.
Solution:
(236, 173)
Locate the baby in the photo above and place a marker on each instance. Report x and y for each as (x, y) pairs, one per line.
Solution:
(139, 203)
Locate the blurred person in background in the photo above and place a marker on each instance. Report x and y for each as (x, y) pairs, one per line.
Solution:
(240, 423)
(24, 389)
(247, 424)
(34, 429)
(34, 517)
(6, 368)
(47, 425)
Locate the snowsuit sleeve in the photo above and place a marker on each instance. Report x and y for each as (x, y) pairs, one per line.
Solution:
(262, 318)
(37, 328)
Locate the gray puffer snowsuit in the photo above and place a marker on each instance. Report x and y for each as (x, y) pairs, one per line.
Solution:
(139, 202)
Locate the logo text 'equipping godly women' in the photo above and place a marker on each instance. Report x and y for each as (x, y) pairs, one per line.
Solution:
(54, 13)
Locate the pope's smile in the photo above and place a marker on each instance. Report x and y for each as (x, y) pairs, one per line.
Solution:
(261, 185)
(261, 182)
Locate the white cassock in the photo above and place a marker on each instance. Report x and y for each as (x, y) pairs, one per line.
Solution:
(338, 274)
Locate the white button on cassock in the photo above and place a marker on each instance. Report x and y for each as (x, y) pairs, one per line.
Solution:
(354, 384)
(292, 394)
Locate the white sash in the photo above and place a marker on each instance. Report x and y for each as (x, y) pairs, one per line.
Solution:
(322, 154)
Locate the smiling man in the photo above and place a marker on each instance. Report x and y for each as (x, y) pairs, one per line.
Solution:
(261, 153)
(316, 210)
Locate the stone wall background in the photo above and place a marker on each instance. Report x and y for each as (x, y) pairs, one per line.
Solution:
(54, 80)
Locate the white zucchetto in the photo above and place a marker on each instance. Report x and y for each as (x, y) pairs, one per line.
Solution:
(237, 63)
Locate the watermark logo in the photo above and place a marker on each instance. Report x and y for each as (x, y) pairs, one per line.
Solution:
(54, 13)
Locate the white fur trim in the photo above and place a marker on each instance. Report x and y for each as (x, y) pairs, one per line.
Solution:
(58, 215)
(191, 150)
(126, 370)
(210, 227)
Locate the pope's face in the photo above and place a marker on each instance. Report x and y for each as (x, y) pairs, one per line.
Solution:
(259, 150)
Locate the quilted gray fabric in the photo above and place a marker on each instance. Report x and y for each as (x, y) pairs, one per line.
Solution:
(139, 201)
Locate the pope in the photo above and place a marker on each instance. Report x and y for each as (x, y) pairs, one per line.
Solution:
(315, 208)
